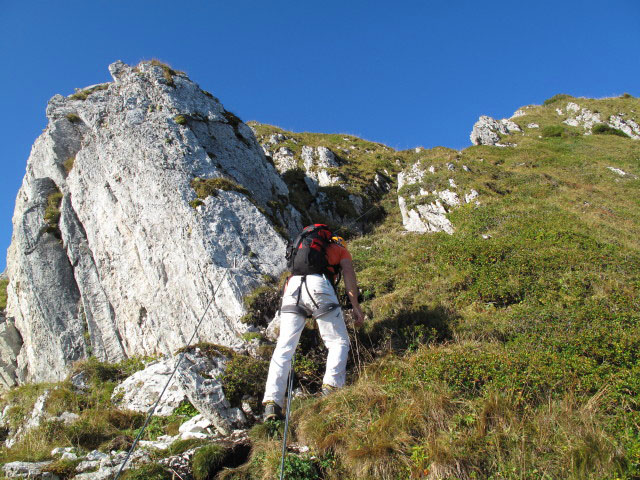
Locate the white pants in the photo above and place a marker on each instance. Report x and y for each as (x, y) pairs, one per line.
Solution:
(332, 330)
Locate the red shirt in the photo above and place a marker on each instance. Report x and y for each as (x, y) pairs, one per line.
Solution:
(335, 254)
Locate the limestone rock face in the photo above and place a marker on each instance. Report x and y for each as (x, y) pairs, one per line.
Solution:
(313, 170)
(487, 130)
(108, 256)
(627, 125)
(10, 345)
(316, 162)
(424, 210)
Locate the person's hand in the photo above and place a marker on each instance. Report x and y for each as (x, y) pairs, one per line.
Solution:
(358, 317)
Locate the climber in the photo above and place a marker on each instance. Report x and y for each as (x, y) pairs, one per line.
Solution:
(316, 259)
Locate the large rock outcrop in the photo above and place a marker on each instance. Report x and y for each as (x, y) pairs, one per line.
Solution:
(487, 130)
(112, 254)
(425, 202)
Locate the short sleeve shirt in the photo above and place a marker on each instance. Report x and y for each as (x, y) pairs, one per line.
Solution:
(336, 253)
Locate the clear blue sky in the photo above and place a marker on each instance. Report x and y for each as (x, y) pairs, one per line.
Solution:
(404, 73)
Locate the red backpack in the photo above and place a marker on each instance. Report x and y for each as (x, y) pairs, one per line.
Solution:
(308, 253)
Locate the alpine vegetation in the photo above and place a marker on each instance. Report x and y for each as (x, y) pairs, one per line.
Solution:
(499, 287)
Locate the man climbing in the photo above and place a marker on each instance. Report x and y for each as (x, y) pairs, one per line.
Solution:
(316, 259)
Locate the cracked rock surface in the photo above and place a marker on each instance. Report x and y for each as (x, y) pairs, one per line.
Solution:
(108, 256)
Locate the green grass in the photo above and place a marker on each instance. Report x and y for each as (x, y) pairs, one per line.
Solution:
(207, 461)
(68, 164)
(508, 357)
(73, 118)
(557, 98)
(84, 93)
(52, 213)
(4, 284)
(208, 187)
(167, 72)
(604, 129)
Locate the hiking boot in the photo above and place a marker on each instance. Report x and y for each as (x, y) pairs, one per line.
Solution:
(272, 411)
(327, 389)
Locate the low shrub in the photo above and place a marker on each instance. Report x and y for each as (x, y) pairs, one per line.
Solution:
(301, 467)
(180, 119)
(63, 469)
(604, 129)
(207, 461)
(552, 131)
(244, 375)
(262, 304)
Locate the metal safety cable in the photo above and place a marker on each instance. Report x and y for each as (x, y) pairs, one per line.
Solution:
(286, 418)
(155, 405)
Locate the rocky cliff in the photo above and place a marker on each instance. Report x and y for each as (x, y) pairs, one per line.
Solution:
(134, 204)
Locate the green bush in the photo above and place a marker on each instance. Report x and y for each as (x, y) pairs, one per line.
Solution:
(207, 461)
(244, 376)
(604, 129)
(301, 467)
(552, 131)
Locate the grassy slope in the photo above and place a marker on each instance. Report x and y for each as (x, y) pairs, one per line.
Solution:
(521, 350)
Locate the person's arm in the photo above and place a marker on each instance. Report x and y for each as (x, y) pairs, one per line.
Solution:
(351, 285)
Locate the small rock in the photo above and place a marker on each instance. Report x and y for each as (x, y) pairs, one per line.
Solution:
(26, 470)
(86, 465)
(67, 417)
(533, 125)
(61, 450)
(573, 107)
(69, 456)
(622, 173)
(96, 455)
(199, 425)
